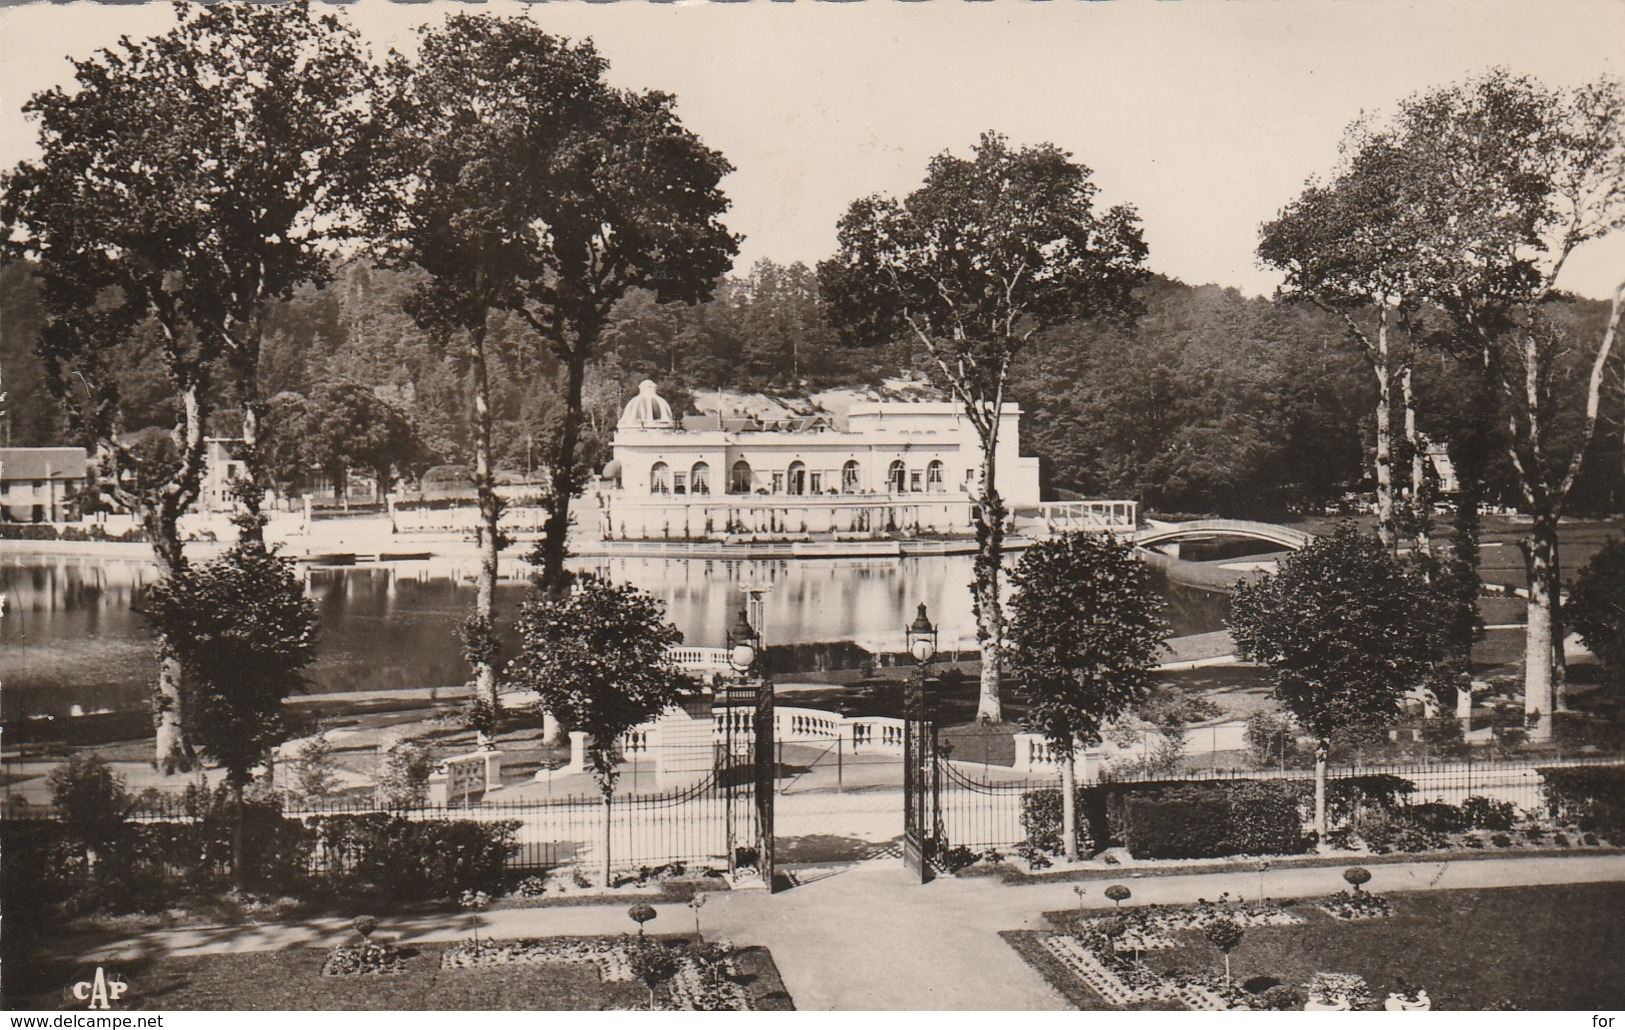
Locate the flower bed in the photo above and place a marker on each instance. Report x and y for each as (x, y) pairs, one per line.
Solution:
(1338, 989)
(706, 980)
(1350, 905)
(1151, 928)
(1079, 960)
(362, 957)
(609, 954)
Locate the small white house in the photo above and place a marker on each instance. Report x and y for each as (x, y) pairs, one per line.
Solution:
(885, 468)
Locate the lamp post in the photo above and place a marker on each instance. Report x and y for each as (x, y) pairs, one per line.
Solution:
(919, 747)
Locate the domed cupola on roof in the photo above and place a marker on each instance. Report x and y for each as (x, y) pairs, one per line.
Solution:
(648, 410)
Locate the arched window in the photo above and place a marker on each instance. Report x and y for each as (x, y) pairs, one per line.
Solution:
(740, 481)
(797, 478)
(897, 478)
(849, 478)
(699, 478)
(660, 478)
(933, 477)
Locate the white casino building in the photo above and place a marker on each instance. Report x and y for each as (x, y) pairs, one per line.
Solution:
(885, 469)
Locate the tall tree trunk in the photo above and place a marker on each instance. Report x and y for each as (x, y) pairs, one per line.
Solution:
(1540, 553)
(1069, 806)
(252, 493)
(986, 567)
(237, 835)
(1322, 747)
(1420, 517)
(490, 534)
(554, 547)
(160, 516)
(1560, 665)
(172, 754)
(1384, 461)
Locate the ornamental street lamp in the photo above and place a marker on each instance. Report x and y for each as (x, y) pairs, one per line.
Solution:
(743, 641)
(922, 638)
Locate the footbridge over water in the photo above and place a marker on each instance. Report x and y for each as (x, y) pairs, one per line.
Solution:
(1172, 532)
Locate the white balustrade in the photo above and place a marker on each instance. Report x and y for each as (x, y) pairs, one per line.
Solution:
(701, 659)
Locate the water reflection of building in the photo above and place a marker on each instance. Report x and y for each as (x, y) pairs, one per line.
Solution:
(883, 469)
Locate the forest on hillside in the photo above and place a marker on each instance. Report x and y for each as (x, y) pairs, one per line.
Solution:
(1209, 402)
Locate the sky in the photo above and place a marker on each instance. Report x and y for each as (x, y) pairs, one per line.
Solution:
(1208, 117)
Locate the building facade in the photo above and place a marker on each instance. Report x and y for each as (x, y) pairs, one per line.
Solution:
(43, 484)
(883, 469)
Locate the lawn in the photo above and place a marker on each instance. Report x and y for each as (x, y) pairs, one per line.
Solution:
(292, 980)
(1534, 947)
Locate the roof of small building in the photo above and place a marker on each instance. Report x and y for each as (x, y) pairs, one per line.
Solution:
(43, 463)
(711, 422)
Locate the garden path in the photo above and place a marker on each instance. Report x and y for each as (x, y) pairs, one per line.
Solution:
(862, 937)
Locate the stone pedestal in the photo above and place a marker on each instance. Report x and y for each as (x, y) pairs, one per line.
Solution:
(578, 759)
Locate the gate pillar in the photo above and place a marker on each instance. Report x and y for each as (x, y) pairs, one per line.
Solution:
(922, 783)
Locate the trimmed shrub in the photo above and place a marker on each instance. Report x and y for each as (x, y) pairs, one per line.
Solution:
(1349, 798)
(1182, 822)
(1041, 819)
(1385, 831)
(91, 801)
(1482, 813)
(1438, 816)
(416, 860)
(1265, 818)
(1591, 797)
(1198, 819)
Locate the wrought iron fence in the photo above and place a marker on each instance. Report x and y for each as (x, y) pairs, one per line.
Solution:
(979, 813)
(689, 825)
(1516, 781)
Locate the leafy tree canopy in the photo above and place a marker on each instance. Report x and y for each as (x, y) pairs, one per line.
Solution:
(1085, 634)
(1597, 608)
(990, 249)
(243, 630)
(598, 658)
(1345, 628)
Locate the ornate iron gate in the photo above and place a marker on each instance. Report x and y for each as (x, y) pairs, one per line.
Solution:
(922, 784)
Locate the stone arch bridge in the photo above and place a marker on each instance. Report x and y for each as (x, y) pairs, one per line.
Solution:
(1173, 532)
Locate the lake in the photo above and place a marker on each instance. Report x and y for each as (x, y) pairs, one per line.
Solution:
(70, 636)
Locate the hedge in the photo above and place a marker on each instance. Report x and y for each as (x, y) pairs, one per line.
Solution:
(47, 869)
(1590, 796)
(1180, 819)
(416, 860)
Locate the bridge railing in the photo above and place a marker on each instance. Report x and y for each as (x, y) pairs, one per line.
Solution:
(1090, 516)
(1286, 536)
